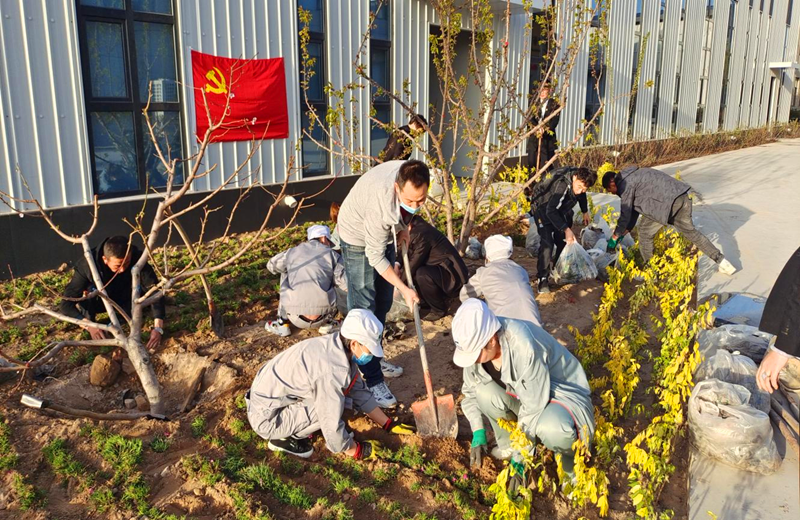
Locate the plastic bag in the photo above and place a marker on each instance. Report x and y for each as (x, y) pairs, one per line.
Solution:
(740, 309)
(574, 265)
(474, 249)
(724, 427)
(532, 239)
(601, 259)
(735, 369)
(747, 340)
(589, 236)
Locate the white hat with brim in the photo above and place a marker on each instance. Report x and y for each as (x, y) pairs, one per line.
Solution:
(318, 231)
(473, 327)
(498, 247)
(362, 326)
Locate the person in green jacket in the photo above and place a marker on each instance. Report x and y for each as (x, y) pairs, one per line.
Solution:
(516, 370)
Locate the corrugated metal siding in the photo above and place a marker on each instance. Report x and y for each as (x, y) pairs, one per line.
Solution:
(740, 41)
(789, 53)
(759, 71)
(651, 10)
(614, 123)
(749, 69)
(575, 96)
(669, 67)
(690, 68)
(720, 38)
(44, 129)
(777, 30)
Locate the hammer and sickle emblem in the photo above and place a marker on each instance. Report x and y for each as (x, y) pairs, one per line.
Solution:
(215, 76)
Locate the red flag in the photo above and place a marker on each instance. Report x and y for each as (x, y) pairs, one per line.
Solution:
(253, 90)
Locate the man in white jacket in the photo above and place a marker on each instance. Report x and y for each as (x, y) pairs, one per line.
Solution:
(372, 220)
(504, 284)
(309, 273)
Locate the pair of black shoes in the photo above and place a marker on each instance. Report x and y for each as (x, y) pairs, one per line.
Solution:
(302, 448)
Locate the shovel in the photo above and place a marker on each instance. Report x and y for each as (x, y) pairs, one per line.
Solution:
(435, 416)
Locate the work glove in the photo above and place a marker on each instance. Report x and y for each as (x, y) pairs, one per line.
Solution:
(367, 450)
(517, 478)
(398, 428)
(478, 449)
(612, 243)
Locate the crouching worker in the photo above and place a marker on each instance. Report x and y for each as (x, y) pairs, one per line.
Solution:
(309, 273)
(436, 268)
(503, 283)
(305, 389)
(517, 371)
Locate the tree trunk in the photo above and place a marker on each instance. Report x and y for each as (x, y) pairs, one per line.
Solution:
(140, 359)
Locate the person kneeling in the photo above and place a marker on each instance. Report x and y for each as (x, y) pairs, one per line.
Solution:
(515, 370)
(306, 388)
(503, 283)
(309, 274)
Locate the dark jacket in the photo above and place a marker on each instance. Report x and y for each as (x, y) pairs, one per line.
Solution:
(549, 138)
(428, 246)
(399, 146)
(118, 289)
(554, 206)
(782, 310)
(648, 192)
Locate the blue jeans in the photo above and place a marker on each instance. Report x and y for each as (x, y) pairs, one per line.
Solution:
(367, 289)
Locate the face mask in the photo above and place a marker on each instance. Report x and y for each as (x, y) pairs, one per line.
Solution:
(363, 359)
(409, 209)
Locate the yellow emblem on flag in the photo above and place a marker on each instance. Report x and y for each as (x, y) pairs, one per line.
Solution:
(215, 76)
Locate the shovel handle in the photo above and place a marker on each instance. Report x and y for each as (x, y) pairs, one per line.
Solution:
(420, 339)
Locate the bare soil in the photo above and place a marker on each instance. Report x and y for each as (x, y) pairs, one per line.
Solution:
(231, 364)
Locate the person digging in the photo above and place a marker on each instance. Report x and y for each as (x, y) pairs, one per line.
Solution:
(113, 258)
(310, 273)
(503, 283)
(515, 370)
(661, 200)
(306, 388)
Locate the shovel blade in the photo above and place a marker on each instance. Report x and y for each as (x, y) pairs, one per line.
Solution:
(426, 413)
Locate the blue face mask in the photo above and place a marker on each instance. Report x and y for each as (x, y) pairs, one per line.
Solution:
(409, 209)
(363, 359)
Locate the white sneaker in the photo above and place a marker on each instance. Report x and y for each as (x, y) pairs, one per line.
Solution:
(503, 454)
(278, 328)
(726, 267)
(383, 395)
(330, 327)
(389, 370)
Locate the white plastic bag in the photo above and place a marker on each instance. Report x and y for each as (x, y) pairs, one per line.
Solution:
(601, 259)
(474, 249)
(532, 239)
(735, 369)
(725, 427)
(747, 340)
(574, 265)
(589, 236)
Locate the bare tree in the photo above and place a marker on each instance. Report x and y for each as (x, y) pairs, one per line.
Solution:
(125, 330)
(502, 118)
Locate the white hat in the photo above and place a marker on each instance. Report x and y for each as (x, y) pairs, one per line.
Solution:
(498, 247)
(362, 326)
(473, 327)
(319, 231)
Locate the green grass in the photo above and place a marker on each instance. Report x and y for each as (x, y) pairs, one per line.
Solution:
(102, 499)
(122, 454)
(338, 511)
(205, 470)
(160, 444)
(198, 426)
(382, 476)
(409, 456)
(62, 462)
(8, 456)
(265, 478)
(28, 496)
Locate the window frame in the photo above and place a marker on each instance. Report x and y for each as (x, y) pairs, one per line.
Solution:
(320, 107)
(381, 102)
(127, 18)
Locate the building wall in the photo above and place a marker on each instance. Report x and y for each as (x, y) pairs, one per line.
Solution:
(691, 64)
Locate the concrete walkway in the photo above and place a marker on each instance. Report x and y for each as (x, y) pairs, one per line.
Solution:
(750, 209)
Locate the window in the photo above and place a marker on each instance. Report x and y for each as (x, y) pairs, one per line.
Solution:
(380, 60)
(127, 48)
(314, 156)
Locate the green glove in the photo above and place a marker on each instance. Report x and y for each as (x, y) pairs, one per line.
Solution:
(478, 449)
(612, 244)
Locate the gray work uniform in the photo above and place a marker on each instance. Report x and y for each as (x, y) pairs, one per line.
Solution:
(310, 272)
(506, 287)
(546, 390)
(304, 389)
